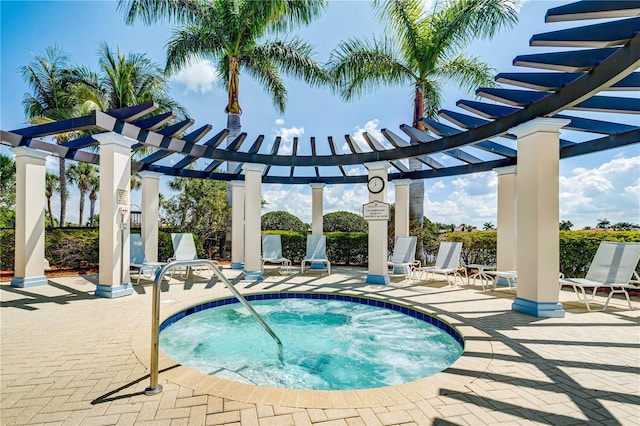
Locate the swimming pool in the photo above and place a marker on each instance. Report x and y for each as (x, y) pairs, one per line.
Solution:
(330, 342)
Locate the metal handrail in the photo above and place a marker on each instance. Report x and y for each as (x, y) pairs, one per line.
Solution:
(154, 387)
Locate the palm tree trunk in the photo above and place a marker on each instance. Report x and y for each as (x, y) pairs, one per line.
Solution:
(92, 207)
(53, 222)
(416, 189)
(82, 193)
(63, 191)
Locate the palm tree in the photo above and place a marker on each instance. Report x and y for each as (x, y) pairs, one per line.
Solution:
(423, 50)
(488, 226)
(603, 224)
(7, 181)
(51, 81)
(51, 186)
(81, 174)
(94, 187)
(566, 225)
(232, 33)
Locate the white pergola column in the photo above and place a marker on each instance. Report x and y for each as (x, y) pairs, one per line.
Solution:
(507, 235)
(252, 234)
(30, 204)
(538, 253)
(317, 225)
(378, 233)
(150, 213)
(402, 207)
(115, 187)
(237, 224)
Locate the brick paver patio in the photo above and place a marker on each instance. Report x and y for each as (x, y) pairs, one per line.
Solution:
(69, 358)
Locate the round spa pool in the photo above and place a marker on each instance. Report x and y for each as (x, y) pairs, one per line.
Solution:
(329, 341)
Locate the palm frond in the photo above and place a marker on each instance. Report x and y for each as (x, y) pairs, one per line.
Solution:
(467, 72)
(294, 58)
(266, 73)
(152, 11)
(360, 66)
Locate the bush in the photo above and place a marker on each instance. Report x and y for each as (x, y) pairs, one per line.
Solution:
(478, 247)
(72, 247)
(282, 221)
(347, 248)
(344, 222)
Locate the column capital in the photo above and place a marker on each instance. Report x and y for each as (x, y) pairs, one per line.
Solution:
(402, 182)
(377, 165)
(112, 138)
(317, 185)
(23, 151)
(249, 167)
(237, 184)
(146, 174)
(508, 170)
(540, 124)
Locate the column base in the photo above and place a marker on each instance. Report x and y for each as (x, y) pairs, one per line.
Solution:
(237, 265)
(113, 291)
(253, 275)
(25, 282)
(377, 279)
(538, 309)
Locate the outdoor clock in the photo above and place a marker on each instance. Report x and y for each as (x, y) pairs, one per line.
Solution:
(375, 185)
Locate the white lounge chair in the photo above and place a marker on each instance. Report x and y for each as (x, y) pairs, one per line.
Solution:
(138, 259)
(404, 255)
(447, 262)
(184, 248)
(316, 252)
(612, 268)
(272, 252)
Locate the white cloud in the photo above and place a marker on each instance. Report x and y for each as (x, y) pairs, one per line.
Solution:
(197, 76)
(610, 191)
(287, 134)
(370, 127)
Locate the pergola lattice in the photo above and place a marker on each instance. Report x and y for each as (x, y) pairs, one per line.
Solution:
(608, 55)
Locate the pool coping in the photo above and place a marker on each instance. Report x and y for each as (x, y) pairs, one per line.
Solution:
(475, 341)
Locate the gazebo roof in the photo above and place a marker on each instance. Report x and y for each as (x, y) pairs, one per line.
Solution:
(606, 57)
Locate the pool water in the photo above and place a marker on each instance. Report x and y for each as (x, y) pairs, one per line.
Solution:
(327, 344)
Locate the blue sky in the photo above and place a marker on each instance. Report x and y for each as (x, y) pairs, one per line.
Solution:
(595, 186)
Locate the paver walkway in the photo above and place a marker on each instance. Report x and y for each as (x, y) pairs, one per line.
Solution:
(72, 359)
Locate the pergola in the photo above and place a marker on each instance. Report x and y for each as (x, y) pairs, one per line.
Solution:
(516, 133)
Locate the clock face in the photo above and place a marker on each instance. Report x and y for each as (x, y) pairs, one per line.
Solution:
(375, 184)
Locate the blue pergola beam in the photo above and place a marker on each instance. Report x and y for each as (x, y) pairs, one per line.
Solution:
(489, 146)
(595, 126)
(606, 34)
(511, 97)
(570, 61)
(485, 110)
(398, 142)
(593, 9)
(552, 81)
(611, 104)
(155, 121)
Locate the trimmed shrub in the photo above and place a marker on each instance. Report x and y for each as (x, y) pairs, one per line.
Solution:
(478, 247)
(282, 221)
(344, 222)
(347, 248)
(72, 247)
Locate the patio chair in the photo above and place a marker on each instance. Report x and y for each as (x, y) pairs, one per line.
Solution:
(316, 252)
(447, 262)
(138, 259)
(272, 252)
(184, 248)
(404, 255)
(611, 268)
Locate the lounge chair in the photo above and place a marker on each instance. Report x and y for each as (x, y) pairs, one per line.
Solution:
(138, 259)
(510, 277)
(316, 252)
(272, 252)
(611, 268)
(447, 262)
(404, 255)
(184, 248)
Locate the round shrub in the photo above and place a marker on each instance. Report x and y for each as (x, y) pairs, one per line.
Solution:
(344, 222)
(282, 221)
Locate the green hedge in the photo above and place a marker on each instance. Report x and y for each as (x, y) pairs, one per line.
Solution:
(343, 248)
(69, 247)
